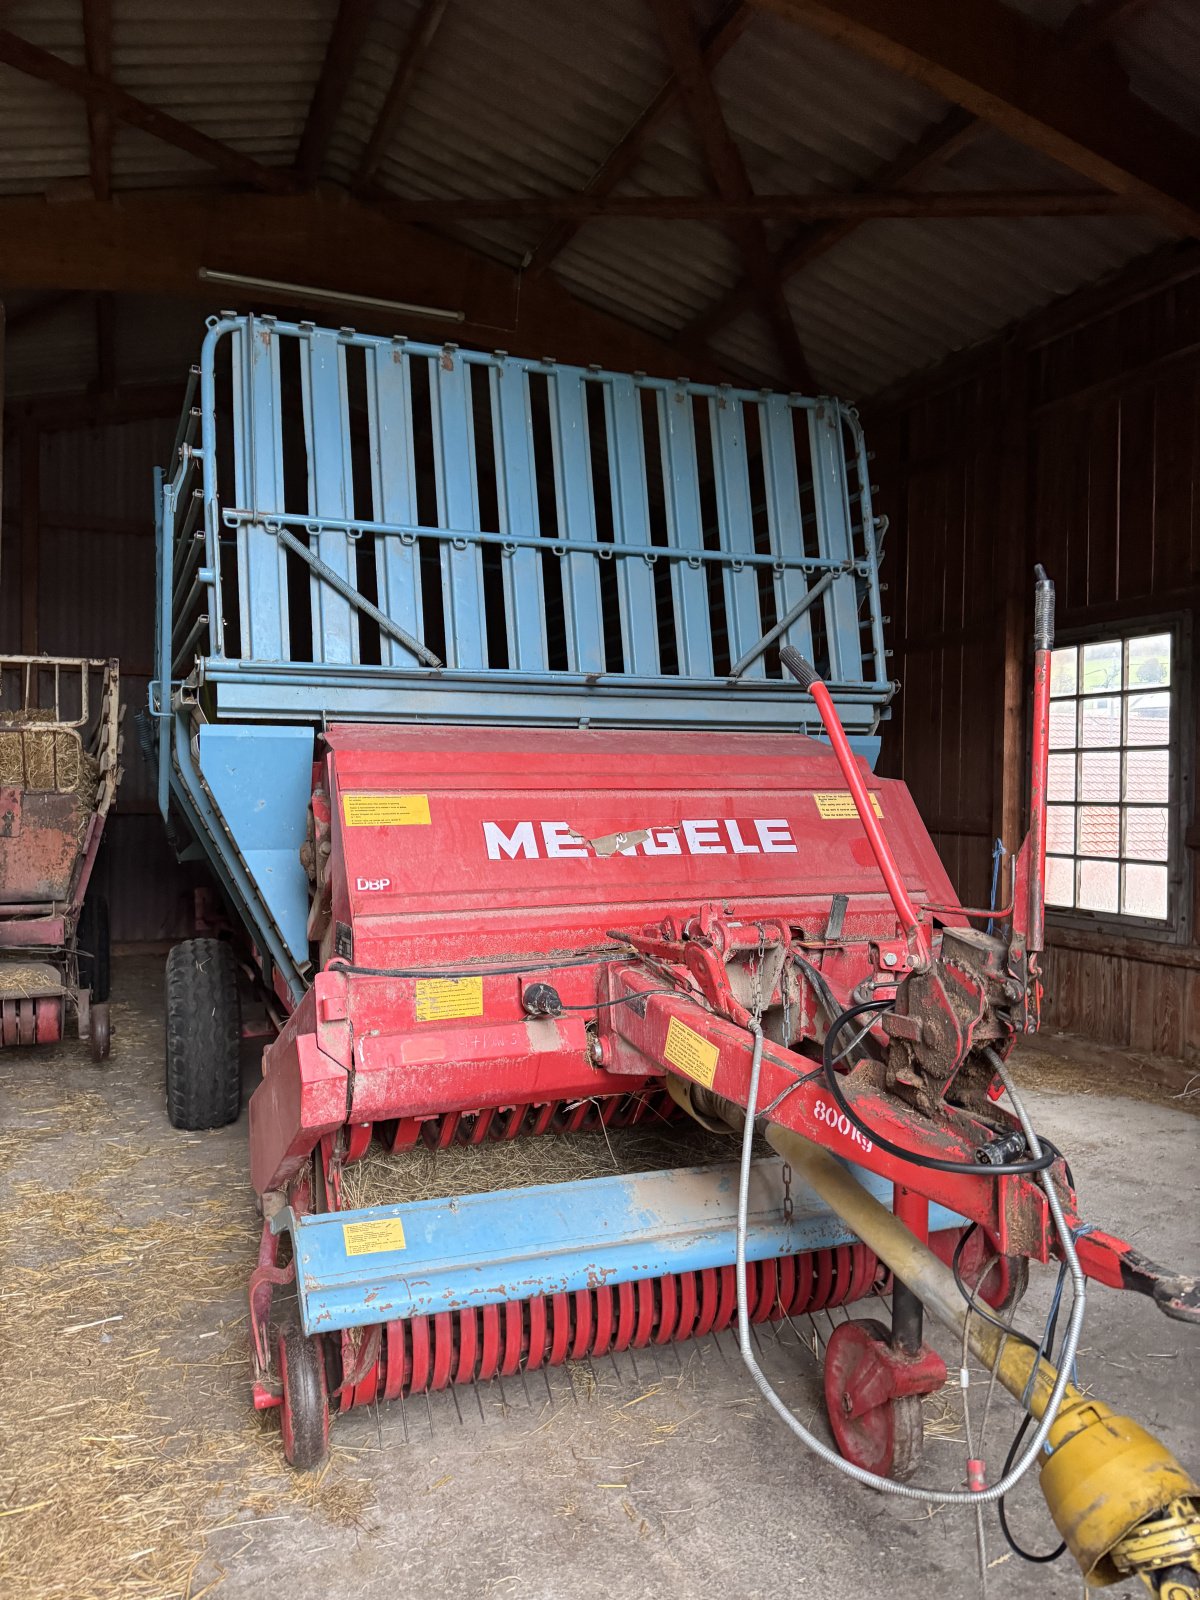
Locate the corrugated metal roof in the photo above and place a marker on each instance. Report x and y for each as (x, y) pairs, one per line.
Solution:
(527, 98)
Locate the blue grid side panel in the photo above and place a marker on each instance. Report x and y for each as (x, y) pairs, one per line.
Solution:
(681, 490)
(258, 484)
(834, 540)
(735, 519)
(777, 430)
(394, 496)
(330, 492)
(458, 508)
(631, 525)
(576, 520)
(516, 497)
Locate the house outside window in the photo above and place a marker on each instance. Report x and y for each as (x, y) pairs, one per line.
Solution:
(1113, 778)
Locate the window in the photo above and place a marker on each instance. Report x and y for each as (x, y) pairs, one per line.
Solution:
(1108, 823)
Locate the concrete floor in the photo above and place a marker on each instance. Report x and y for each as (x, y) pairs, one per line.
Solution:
(131, 1467)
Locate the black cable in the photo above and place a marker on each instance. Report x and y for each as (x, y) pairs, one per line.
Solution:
(1011, 1169)
(1047, 1347)
(982, 1311)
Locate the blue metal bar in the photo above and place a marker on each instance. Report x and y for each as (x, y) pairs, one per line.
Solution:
(330, 491)
(458, 506)
(354, 1268)
(160, 689)
(735, 519)
(631, 525)
(217, 329)
(834, 539)
(233, 516)
(784, 520)
(394, 494)
(258, 482)
(516, 496)
(576, 520)
(681, 489)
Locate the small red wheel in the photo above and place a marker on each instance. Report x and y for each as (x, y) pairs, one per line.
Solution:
(304, 1414)
(872, 1427)
(99, 1032)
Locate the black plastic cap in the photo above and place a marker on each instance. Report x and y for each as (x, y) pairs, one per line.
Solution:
(803, 671)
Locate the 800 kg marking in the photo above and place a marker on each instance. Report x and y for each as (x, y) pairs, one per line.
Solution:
(838, 1120)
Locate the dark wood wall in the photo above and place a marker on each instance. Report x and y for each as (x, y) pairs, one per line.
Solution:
(1075, 442)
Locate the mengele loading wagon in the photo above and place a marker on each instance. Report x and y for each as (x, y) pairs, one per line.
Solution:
(527, 716)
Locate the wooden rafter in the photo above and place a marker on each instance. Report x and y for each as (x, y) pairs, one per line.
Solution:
(1085, 28)
(715, 45)
(339, 243)
(101, 92)
(412, 57)
(730, 179)
(346, 40)
(97, 54)
(857, 205)
(923, 157)
(1072, 106)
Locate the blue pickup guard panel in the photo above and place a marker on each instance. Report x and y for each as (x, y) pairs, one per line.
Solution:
(365, 528)
(483, 1249)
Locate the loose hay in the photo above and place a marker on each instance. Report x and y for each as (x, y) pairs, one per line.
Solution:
(128, 1448)
(422, 1174)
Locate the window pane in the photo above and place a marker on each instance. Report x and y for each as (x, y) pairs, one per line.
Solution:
(1148, 662)
(1145, 892)
(1147, 719)
(1147, 774)
(1062, 724)
(1060, 881)
(1099, 831)
(1064, 670)
(1100, 775)
(1146, 833)
(1100, 721)
(1097, 886)
(1101, 666)
(1060, 829)
(1060, 779)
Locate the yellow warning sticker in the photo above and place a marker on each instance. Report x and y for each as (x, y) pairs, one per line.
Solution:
(693, 1055)
(439, 998)
(384, 810)
(837, 804)
(373, 1238)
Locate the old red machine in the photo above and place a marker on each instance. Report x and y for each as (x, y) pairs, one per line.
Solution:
(539, 899)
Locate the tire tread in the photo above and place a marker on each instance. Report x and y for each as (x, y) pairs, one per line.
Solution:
(204, 1088)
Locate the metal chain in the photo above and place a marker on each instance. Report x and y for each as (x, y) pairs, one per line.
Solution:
(788, 1205)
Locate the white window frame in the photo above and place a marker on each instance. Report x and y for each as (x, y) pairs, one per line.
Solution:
(1175, 927)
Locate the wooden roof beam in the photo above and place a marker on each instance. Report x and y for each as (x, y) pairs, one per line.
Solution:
(1071, 106)
(858, 205)
(715, 45)
(97, 53)
(330, 240)
(729, 176)
(101, 93)
(411, 59)
(342, 53)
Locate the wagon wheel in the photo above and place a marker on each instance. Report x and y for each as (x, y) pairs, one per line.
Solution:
(304, 1414)
(882, 1433)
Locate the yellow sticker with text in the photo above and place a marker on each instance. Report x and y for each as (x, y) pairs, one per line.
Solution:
(373, 1238)
(439, 998)
(838, 804)
(693, 1055)
(385, 810)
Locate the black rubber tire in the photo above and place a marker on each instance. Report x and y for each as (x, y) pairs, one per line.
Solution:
(95, 951)
(204, 1080)
(304, 1414)
(99, 1031)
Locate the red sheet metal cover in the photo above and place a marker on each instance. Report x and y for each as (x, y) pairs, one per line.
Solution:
(477, 841)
